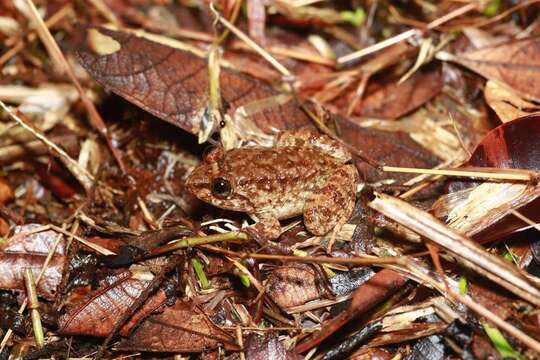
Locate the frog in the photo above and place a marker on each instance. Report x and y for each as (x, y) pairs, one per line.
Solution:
(304, 174)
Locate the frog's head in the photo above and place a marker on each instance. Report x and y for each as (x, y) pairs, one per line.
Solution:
(212, 182)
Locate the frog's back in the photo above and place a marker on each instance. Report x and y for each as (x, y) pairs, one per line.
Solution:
(279, 179)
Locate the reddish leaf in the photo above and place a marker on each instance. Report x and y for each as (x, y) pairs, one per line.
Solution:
(173, 84)
(25, 250)
(515, 63)
(511, 145)
(377, 289)
(393, 100)
(497, 302)
(97, 315)
(56, 179)
(179, 328)
(6, 192)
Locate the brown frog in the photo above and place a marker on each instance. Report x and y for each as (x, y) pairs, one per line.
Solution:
(302, 174)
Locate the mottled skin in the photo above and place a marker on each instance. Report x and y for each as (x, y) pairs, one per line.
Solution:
(303, 174)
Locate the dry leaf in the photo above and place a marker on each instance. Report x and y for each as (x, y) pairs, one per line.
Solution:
(173, 84)
(97, 315)
(394, 99)
(179, 328)
(482, 209)
(293, 285)
(27, 248)
(514, 63)
(507, 104)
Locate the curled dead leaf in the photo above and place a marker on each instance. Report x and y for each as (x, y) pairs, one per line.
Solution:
(293, 285)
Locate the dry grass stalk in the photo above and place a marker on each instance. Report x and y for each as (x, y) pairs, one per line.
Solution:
(83, 176)
(425, 276)
(33, 306)
(65, 68)
(407, 34)
(465, 250)
(486, 173)
(282, 69)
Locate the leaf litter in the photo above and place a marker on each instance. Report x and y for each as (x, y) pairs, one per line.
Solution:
(127, 262)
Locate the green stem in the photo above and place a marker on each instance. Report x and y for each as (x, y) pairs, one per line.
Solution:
(33, 305)
(195, 241)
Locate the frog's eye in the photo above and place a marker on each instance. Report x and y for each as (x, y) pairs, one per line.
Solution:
(221, 187)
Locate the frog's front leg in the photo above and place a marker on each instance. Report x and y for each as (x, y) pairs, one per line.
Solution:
(266, 226)
(266, 229)
(331, 206)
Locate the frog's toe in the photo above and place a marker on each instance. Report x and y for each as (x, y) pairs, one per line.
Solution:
(333, 204)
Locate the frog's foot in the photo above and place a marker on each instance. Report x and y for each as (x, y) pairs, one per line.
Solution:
(309, 138)
(333, 204)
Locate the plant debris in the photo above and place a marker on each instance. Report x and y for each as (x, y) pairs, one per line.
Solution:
(368, 171)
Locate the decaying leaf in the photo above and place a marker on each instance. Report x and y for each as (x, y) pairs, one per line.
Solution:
(179, 328)
(98, 313)
(28, 248)
(514, 63)
(387, 147)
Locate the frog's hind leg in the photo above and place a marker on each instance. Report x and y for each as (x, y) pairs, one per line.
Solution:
(331, 206)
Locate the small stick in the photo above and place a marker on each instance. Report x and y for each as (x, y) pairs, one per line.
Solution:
(240, 341)
(489, 173)
(60, 61)
(50, 22)
(83, 176)
(357, 260)
(33, 306)
(282, 69)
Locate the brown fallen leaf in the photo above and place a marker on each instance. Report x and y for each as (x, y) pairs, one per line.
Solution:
(492, 298)
(377, 289)
(507, 104)
(514, 63)
(179, 328)
(295, 285)
(393, 99)
(98, 313)
(27, 248)
(267, 347)
(173, 84)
